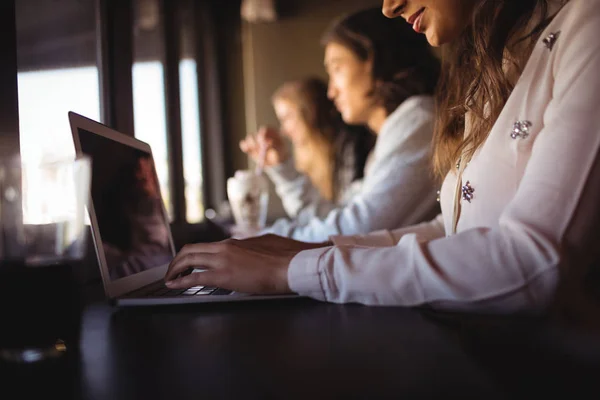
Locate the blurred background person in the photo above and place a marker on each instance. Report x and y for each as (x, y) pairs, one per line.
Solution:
(329, 152)
(387, 86)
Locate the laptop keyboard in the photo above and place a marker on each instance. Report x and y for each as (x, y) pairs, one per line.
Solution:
(194, 291)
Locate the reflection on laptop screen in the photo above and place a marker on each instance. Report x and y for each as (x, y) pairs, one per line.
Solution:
(128, 206)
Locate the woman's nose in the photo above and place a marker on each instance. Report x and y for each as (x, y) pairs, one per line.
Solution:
(331, 92)
(393, 8)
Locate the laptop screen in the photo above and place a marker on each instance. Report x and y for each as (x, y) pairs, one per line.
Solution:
(128, 205)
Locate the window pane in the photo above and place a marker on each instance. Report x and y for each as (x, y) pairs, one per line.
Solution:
(45, 98)
(149, 89)
(149, 118)
(190, 126)
(56, 50)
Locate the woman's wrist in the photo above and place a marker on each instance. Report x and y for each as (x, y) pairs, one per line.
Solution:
(283, 285)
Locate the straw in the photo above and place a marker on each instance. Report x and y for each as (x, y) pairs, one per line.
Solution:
(260, 164)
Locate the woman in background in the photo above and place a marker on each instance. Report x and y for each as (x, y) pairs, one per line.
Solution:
(330, 153)
(387, 86)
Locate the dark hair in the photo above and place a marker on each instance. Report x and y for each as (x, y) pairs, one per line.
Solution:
(475, 79)
(403, 63)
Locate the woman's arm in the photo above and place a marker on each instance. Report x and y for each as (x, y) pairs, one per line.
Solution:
(397, 191)
(425, 232)
(299, 197)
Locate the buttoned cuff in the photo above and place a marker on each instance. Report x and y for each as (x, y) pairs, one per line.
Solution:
(381, 238)
(304, 276)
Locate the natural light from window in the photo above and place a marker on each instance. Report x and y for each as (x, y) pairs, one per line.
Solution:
(190, 130)
(150, 121)
(45, 98)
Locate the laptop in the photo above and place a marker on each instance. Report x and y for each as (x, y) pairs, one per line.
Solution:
(129, 224)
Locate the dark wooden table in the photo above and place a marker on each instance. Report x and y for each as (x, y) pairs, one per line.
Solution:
(291, 349)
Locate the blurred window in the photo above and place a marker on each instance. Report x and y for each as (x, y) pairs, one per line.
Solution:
(190, 118)
(149, 113)
(57, 73)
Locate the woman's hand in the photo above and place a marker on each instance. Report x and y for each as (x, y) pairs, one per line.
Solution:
(271, 241)
(258, 265)
(277, 151)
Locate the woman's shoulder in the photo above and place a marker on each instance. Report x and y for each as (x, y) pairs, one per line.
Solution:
(571, 38)
(415, 115)
(575, 7)
(423, 103)
(575, 17)
(414, 108)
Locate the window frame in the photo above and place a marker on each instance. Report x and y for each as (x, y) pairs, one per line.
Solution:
(9, 112)
(114, 59)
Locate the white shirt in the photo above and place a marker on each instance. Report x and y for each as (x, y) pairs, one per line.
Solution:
(532, 228)
(398, 188)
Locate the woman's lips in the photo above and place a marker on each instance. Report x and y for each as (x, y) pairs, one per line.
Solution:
(415, 20)
(417, 24)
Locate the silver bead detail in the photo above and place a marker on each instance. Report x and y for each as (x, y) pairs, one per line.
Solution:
(550, 40)
(467, 192)
(521, 129)
(438, 196)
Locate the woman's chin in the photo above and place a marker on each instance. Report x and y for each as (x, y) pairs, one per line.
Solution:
(437, 40)
(350, 119)
(432, 38)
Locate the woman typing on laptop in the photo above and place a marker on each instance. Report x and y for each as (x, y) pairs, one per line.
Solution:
(518, 142)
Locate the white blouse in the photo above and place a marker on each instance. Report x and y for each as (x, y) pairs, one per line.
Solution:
(398, 188)
(528, 221)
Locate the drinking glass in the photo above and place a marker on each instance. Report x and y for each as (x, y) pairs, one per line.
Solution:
(248, 194)
(42, 240)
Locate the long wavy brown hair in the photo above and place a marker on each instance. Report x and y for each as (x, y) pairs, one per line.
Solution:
(480, 71)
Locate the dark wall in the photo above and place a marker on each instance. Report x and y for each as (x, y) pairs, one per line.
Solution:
(55, 34)
(229, 31)
(9, 114)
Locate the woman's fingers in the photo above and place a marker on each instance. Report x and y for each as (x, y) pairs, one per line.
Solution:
(268, 138)
(249, 146)
(244, 146)
(182, 262)
(242, 266)
(204, 278)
